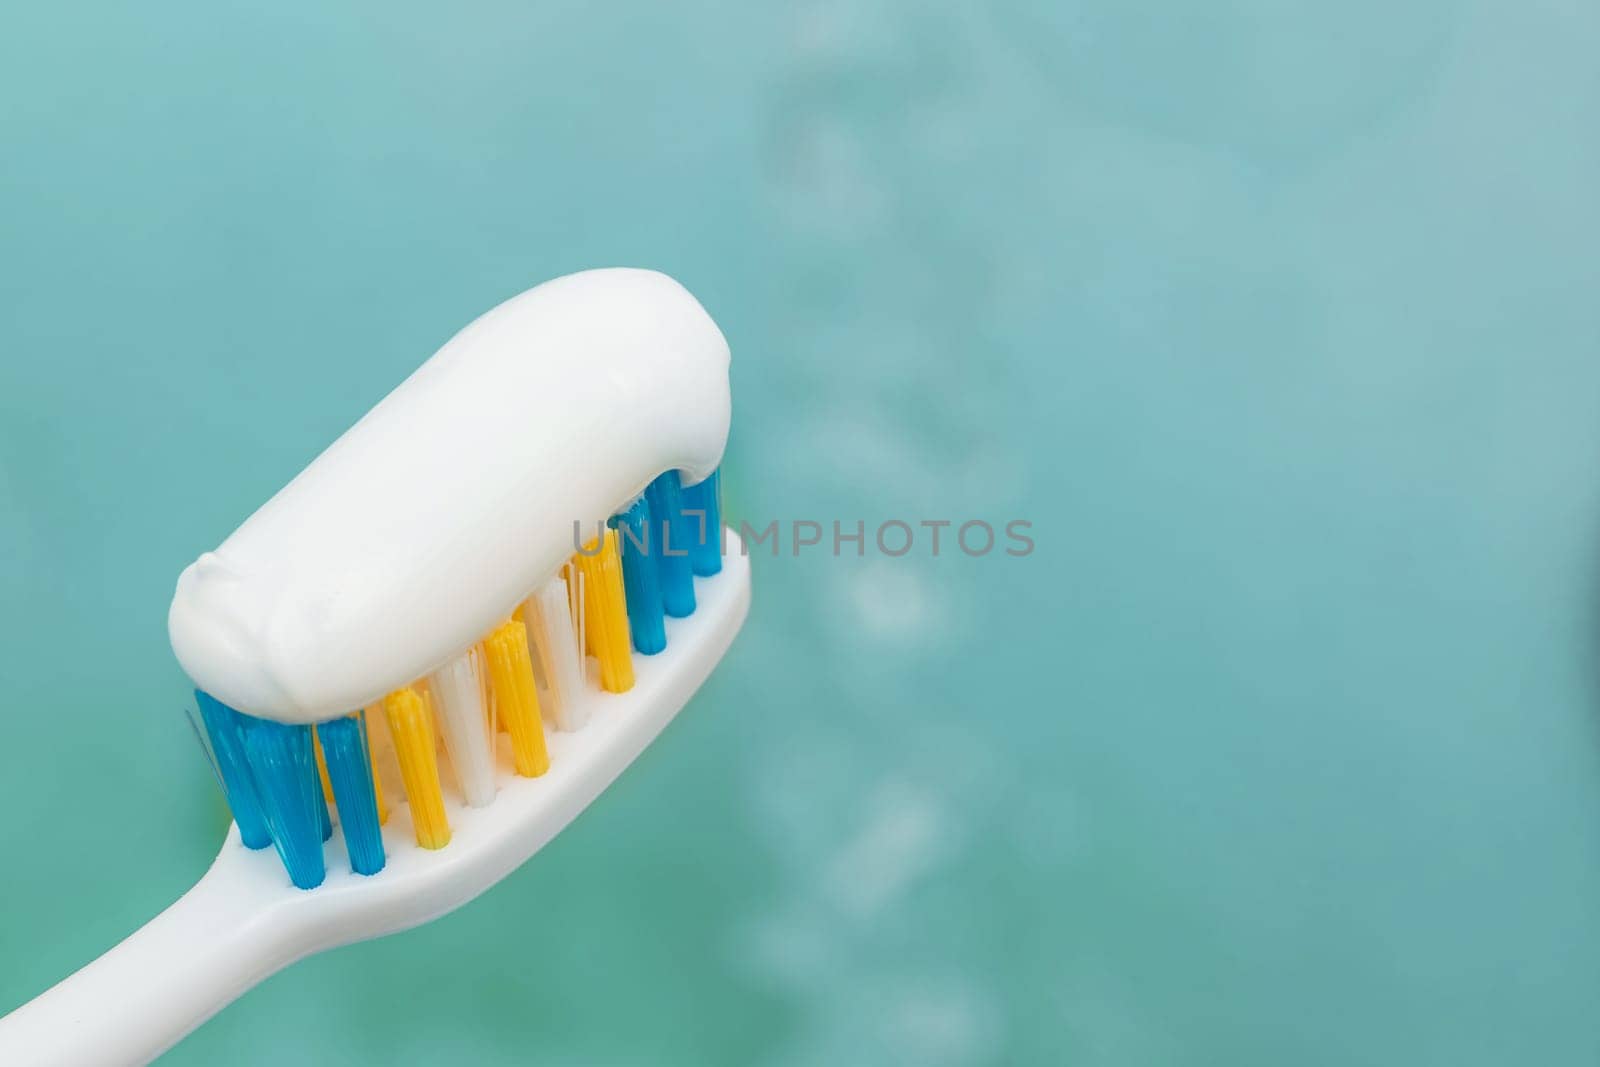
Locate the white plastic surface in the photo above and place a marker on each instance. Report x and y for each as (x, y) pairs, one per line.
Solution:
(428, 521)
(244, 921)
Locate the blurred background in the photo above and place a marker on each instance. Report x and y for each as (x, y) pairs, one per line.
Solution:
(1277, 320)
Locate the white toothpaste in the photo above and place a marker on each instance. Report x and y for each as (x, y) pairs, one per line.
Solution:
(431, 518)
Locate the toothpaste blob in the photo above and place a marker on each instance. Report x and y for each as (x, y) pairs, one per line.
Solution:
(426, 523)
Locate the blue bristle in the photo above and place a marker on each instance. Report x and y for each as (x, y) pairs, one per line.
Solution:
(705, 553)
(641, 586)
(675, 532)
(285, 771)
(344, 747)
(223, 726)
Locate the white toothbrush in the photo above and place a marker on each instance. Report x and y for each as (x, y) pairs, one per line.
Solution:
(619, 343)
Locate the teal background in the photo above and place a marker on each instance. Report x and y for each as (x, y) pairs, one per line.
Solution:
(1279, 321)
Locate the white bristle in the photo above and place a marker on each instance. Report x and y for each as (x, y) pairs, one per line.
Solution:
(458, 703)
(574, 578)
(549, 617)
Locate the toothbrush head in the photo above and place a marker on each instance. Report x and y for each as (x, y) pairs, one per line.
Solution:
(416, 883)
(405, 702)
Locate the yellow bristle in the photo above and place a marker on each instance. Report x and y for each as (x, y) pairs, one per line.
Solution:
(425, 691)
(516, 699)
(322, 767)
(372, 755)
(606, 613)
(411, 727)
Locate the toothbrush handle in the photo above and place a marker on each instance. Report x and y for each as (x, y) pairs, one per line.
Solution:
(168, 977)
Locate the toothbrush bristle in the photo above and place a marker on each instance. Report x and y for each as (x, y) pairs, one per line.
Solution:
(412, 732)
(641, 579)
(284, 782)
(224, 729)
(605, 612)
(702, 503)
(324, 816)
(516, 700)
(285, 773)
(578, 609)
(322, 766)
(464, 725)
(672, 529)
(548, 616)
(371, 717)
(351, 783)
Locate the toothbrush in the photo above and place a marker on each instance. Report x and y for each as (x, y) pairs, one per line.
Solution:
(417, 588)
